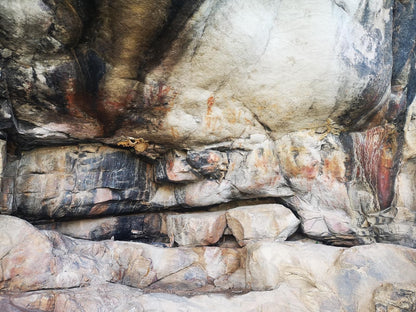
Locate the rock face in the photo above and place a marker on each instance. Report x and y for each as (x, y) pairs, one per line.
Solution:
(189, 147)
(264, 222)
(51, 268)
(194, 229)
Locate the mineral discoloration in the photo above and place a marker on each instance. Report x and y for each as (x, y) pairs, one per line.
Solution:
(131, 127)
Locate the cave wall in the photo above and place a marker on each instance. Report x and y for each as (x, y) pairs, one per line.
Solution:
(232, 137)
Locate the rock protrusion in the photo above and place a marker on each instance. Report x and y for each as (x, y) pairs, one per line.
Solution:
(271, 222)
(196, 229)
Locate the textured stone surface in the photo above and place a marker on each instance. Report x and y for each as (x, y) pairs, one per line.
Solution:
(352, 274)
(3, 157)
(84, 180)
(395, 297)
(59, 273)
(185, 86)
(261, 222)
(32, 260)
(193, 229)
(112, 297)
(342, 187)
(115, 114)
(143, 227)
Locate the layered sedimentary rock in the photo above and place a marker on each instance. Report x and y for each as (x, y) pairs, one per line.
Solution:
(322, 278)
(226, 140)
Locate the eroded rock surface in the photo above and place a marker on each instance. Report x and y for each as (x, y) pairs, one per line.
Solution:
(181, 123)
(57, 272)
(261, 222)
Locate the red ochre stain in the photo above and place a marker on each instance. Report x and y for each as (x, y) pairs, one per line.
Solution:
(375, 150)
(210, 103)
(72, 99)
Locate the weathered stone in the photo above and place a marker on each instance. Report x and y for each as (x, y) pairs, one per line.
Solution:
(194, 229)
(221, 261)
(305, 103)
(112, 297)
(81, 180)
(32, 260)
(351, 274)
(234, 95)
(27, 260)
(209, 163)
(398, 297)
(261, 222)
(174, 168)
(144, 227)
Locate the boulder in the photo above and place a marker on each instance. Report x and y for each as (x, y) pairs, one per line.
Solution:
(261, 222)
(196, 229)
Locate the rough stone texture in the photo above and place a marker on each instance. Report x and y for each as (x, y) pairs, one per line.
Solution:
(83, 180)
(353, 274)
(261, 222)
(143, 227)
(204, 91)
(115, 109)
(58, 273)
(193, 229)
(111, 297)
(33, 260)
(395, 297)
(302, 168)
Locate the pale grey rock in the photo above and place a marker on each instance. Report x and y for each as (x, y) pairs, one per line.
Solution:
(271, 222)
(270, 264)
(222, 261)
(112, 297)
(194, 229)
(351, 274)
(258, 172)
(249, 80)
(24, 268)
(188, 279)
(25, 24)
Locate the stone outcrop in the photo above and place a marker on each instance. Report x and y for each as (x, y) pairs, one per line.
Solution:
(193, 229)
(262, 222)
(168, 153)
(58, 273)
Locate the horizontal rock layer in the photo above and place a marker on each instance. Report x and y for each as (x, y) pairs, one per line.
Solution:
(57, 272)
(342, 187)
(221, 127)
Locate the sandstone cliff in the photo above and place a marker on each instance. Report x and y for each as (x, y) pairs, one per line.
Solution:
(179, 155)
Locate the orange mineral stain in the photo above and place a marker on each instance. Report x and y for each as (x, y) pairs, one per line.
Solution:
(210, 103)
